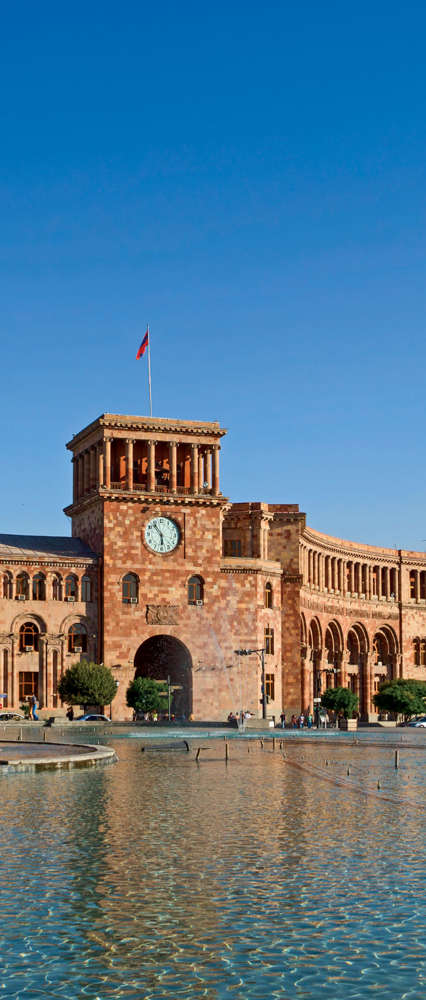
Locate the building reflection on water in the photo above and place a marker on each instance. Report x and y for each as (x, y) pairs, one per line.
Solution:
(159, 876)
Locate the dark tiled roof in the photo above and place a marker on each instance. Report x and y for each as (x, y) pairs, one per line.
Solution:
(44, 547)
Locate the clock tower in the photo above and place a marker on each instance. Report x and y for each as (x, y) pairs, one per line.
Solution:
(146, 498)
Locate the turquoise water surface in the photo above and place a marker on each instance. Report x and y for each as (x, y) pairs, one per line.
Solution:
(270, 877)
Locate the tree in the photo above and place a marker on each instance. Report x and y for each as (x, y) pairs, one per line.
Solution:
(403, 696)
(87, 684)
(340, 700)
(146, 695)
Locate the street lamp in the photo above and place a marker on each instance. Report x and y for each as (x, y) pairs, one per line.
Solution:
(261, 654)
(318, 675)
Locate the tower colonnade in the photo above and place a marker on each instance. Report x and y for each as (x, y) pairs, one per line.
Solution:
(151, 459)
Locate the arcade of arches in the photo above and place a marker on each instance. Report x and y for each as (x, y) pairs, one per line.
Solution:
(348, 656)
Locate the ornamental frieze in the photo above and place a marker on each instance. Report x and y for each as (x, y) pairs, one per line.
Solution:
(162, 614)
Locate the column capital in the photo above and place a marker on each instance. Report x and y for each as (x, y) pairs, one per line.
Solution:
(130, 440)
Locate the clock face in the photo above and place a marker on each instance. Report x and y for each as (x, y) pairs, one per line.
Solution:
(161, 534)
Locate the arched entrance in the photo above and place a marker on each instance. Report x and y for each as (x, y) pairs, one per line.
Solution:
(161, 657)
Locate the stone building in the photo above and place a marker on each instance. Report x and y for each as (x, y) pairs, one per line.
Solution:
(163, 576)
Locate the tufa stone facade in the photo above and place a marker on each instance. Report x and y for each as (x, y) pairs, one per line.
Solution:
(164, 577)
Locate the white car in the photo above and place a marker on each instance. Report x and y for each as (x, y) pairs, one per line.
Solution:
(419, 723)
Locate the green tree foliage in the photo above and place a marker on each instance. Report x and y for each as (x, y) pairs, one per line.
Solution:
(146, 695)
(340, 700)
(402, 696)
(87, 684)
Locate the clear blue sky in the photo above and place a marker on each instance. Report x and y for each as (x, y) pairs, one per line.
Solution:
(251, 179)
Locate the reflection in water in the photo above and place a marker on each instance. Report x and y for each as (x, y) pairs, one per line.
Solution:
(159, 878)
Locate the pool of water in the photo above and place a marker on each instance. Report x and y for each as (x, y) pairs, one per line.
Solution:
(274, 876)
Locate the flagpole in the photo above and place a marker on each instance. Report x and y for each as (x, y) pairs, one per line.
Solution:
(149, 370)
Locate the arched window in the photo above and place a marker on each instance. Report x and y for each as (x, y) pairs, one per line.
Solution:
(269, 640)
(195, 590)
(28, 638)
(268, 595)
(130, 589)
(22, 587)
(39, 587)
(422, 652)
(416, 652)
(71, 587)
(77, 638)
(423, 585)
(57, 587)
(7, 585)
(86, 588)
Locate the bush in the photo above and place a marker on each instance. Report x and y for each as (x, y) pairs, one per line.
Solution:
(146, 695)
(402, 696)
(340, 700)
(87, 684)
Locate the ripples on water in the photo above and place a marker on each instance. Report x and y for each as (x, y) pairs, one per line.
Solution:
(158, 878)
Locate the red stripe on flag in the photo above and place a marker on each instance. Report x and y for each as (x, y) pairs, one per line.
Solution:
(143, 346)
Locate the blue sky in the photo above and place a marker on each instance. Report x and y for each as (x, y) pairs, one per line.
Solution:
(251, 179)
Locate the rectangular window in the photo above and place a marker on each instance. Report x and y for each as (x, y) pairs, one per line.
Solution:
(232, 547)
(412, 584)
(269, 641)
(270, 686)
(28, 684)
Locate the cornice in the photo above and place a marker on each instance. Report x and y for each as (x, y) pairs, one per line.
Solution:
(164, 499)
(73, 563)
(113, 421)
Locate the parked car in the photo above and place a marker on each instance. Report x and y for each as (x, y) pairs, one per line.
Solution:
(9, 716)
(92, 718)
(419, 723)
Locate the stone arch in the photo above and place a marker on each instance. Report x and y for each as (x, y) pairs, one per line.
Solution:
(333, 641)
(72, 619)
(385, 652)
(20, 619)
(315, 635)
(164, 656)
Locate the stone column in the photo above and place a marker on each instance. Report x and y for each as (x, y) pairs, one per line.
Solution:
(216, 451)
(151, 466)
(208, 468)
(343, 570)
(367, 670)
(352, 577)
(100, 465)
(200, 470)
(343, 669)
(194, 468)
(107, 462)
(12, 686)
(379, 582)
(74, 478)
(173, 466)
(42, 671)
(417, 586)
(305, 692)
(129, 463)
